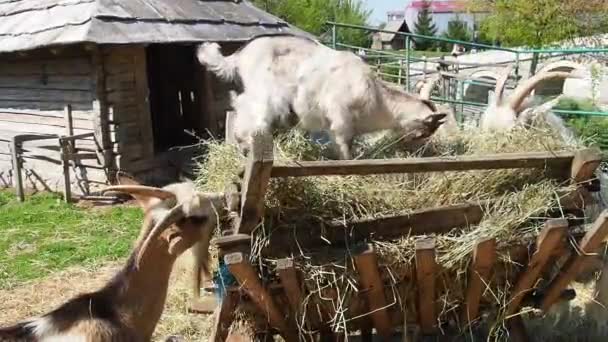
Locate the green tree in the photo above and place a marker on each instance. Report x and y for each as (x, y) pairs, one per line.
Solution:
(311, 16)
(457, 30)
(538, 23)
(425, 26)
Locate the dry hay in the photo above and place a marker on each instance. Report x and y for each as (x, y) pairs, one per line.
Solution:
(519, 197)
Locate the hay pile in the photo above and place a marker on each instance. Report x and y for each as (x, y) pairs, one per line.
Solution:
(519, 197)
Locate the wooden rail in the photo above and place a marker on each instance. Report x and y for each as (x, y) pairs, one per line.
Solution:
(559, 160)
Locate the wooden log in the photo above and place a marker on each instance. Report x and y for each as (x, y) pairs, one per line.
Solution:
(484, 257)
(225, 317)
(584, 164)
(554, 160)
(549, 239)
(248, 279)
(17, 175)
(425, 281)
(576, 263)
(369, 277)
(255, 182)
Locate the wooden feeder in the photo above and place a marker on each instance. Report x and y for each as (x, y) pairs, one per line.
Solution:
(279, 303)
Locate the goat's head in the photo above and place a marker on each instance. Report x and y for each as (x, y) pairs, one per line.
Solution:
(178, 215)
(450, 124)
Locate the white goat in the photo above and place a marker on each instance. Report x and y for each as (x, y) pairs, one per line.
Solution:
(503, 114)
(129, 306)
(288, 80)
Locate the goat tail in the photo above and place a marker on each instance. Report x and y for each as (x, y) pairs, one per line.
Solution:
(21, 332)
(210, 55)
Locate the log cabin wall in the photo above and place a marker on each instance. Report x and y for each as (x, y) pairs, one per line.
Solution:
(35, 87)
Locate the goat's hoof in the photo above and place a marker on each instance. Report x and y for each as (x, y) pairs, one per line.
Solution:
(174, 338)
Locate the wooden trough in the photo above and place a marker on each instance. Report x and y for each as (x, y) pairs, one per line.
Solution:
(278, 303)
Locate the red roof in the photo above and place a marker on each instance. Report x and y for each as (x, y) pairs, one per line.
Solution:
(440, 6)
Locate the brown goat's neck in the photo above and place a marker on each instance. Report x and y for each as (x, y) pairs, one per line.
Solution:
(141, 291)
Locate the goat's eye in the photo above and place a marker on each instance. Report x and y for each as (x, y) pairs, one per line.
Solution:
(198, 220)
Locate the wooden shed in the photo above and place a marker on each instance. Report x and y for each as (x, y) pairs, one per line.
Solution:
(120, 77)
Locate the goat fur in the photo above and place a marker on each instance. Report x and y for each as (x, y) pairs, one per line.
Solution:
(290, 81)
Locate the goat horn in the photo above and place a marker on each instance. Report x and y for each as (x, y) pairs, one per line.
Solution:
(140, 190)
(174, 215)
(521, 92)
(501, 83)
(427, 88)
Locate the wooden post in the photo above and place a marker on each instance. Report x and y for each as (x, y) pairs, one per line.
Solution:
(550, 238)
(369, 277)
(255, 182)
(589, 244)
(425, 281)
(484, 257)
(584, 164)
(64, 148)
(517, 330)
(15, 154)
(225, 317)
(249, 281)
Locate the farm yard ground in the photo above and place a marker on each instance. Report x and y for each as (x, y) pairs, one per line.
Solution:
(51, 251)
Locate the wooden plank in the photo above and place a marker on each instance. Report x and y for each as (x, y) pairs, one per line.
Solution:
(40, 118)
(553, 160)
(225, 317)
(549, 239)
(295, 295)
(369, 278)
(588, 245)
(484, 257)
(584, 164)
(142, 93)
(46, 95)
(17, 175)
(100, 106)
(426, 267)
(249, 281)
(65, 164)
(255, 182)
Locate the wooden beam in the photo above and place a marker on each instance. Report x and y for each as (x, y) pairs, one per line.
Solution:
(554, 160)
(255, 182)
(484, 257)
(249, 281)
(369, 277)
(225, 317)
(588, 245)
(584, 164)
(549, 239)
(425, 281)
(17, 175)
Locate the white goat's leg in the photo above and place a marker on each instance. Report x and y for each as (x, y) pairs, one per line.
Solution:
(342, 134)
(253, 115)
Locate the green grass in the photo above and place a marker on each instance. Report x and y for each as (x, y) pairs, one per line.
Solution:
(45, 235)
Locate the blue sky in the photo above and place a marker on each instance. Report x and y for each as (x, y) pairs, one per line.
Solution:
(380, 7)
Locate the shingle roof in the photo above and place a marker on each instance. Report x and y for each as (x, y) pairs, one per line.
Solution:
(394, 25)
(29, 24)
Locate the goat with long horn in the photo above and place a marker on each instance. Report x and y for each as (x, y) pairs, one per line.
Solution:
(130, 305)
(503, 113)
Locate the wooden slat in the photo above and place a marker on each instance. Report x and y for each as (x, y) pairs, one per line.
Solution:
(484, 257)
(289, 279)
(549, 239)
(555, 160)
(425, 281)
(257, 176)
(225, 317)
(249, 281)
(17, 175)
(65, 164)
(369, 277)
(588, 245)
(584, 164)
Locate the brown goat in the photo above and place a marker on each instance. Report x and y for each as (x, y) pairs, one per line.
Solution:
(129, 306)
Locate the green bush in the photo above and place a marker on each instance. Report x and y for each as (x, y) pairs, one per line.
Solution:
(591, 128)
